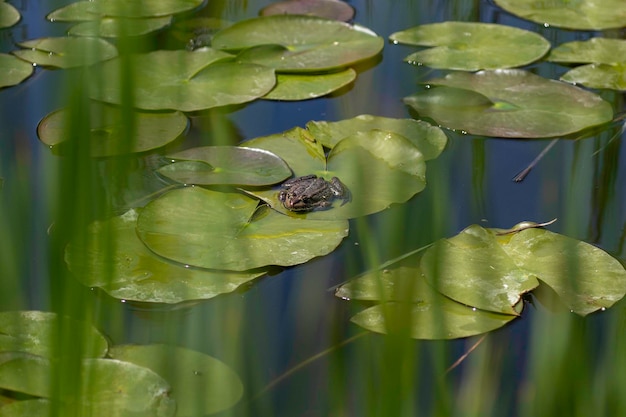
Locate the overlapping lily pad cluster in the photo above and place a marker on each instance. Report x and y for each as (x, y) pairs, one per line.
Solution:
(116, 380)
(210, 242)
(489, 102)
(473, 282)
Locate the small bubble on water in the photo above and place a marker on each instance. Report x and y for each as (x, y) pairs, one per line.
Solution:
(473, 308)
(427, 86)
(356, 243)
(603, 309)
(122, 300)
(186, 266)
(463, 132)
(546, 25)
(395, 42)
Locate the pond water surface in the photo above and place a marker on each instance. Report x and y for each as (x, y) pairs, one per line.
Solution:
(282, 320)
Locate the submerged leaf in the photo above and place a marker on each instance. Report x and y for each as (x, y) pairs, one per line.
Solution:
(293, 43)
(471, 46)
(201, 384)
(209, 229)
(226, 165)
(510, 103)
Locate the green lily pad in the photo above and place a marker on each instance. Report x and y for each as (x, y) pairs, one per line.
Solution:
(473, 269)
(292, 87)
(292, 43)
(209, 229)
(585, 278)
(428, 315)
(594, 50)
(430, 140)
(150, 130)
(491, 268)
(185, 80)
(129, 271)
(111, 27)
(510, 103)
(96, 9)
(235, 165)
(470, 46)
(193, 376)
(612, 77)
(9, 15)
(579, 14)
(394, 168)
(33, 332)
(109, 387)
(607, 58)
(13, 70)
(328, 9)
(66, 52)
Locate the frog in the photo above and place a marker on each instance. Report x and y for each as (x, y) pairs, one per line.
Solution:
(310, 192)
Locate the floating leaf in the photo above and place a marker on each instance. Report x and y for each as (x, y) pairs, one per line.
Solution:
(510, 103)
(9, 15)
(471, 46)
(129, 271)
(328, 9)
(208, 165)
(430, 140)
(33, 332)
(607, 57)
(66, 52)
(585, 277)
(209, 229)
(96, 9)
(394, 168)
(109, 387)
(109, 135)
(185, 80)
(292, 43)
(291, 87)
(579, 14)
(491, 268)
(427, 313)
(13, 70)
(201, 384)
(473, 269)
(598, 76)
(110, 27)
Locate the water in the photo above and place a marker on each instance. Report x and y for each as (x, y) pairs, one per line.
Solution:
(281, 320)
